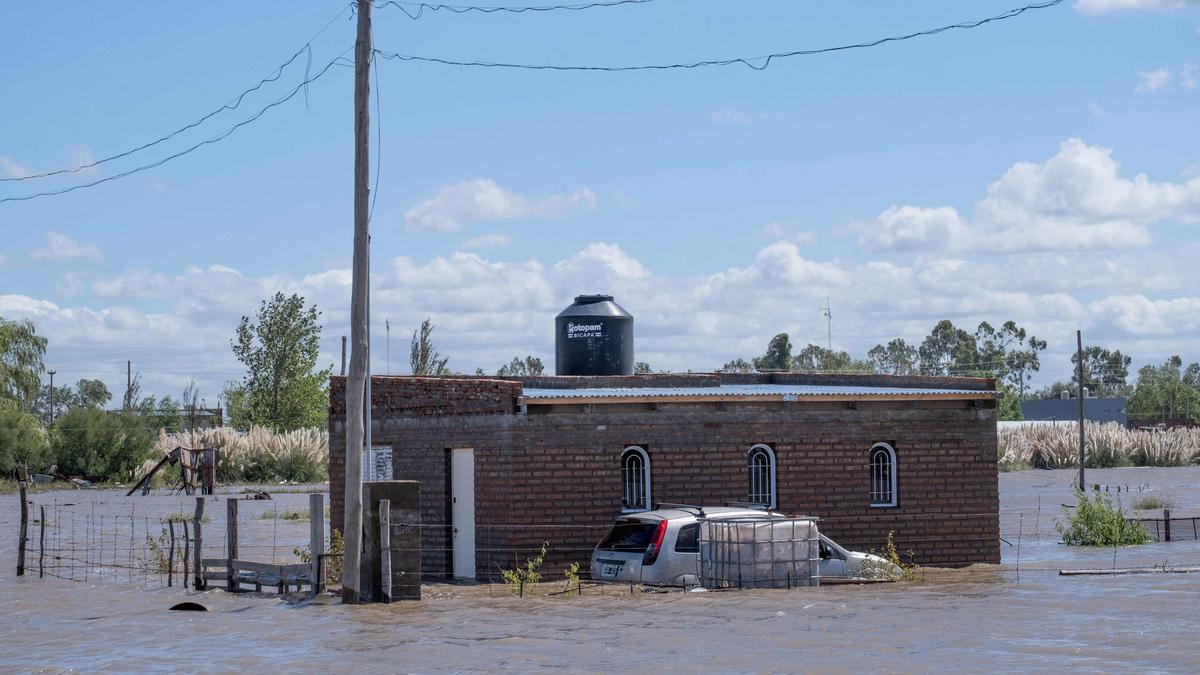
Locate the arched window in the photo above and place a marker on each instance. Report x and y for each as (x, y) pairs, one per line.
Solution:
(761, 465)
(883, 475)
(635, 479)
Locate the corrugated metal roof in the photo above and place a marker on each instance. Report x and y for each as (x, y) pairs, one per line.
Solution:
(748, 390)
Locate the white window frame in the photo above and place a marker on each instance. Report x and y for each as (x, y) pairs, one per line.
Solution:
(639, 452)
(891, 455)
(769, 453)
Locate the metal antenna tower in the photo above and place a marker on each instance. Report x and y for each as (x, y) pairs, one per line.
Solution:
(828, 312)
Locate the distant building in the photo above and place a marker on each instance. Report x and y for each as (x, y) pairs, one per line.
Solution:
(1067, 410)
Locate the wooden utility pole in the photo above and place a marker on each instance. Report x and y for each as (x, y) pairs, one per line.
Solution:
(1079, 353)
(343, 356)
(128, 382)
(352, 532)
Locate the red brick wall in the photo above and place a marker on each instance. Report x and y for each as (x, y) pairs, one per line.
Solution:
(556, 477)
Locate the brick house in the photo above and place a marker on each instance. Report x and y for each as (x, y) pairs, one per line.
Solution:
(507, 464)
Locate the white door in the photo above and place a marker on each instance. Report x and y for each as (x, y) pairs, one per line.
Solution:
(462, 495)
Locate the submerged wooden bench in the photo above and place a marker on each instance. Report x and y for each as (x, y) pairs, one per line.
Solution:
(279, 577)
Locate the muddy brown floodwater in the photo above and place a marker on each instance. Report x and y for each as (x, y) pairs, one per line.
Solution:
(982, 617)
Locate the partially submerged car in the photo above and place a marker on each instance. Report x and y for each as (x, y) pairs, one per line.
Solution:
(662, 547)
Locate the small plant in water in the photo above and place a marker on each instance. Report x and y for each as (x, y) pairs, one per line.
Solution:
(1148, 502)
(333, 559)
(526, 576)
(571, 577)
(895, 569)
(1098, 522)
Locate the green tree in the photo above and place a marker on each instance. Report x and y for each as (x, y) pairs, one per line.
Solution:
(948, 350)
(236, 405)
(282, 389)
(530, 365)
(90, 442)
(1008, 407)
(815, 358)
(423, 358)
(21, 351)
(642, 368)
(22, 440)
(1161, 392)
(896, 358)
(63, 398)
(1008, 354)
(92, 393)
(737, 366)
(778, 355)
(1104, 372)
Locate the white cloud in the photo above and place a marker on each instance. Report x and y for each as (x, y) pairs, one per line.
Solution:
(12, 169)
(1187, 77)
(488, 311)
(61, 247)
(1105, 6)
(483, 199)
(487, 241)
(1153, 80)
(777, 231)
(1076, 200)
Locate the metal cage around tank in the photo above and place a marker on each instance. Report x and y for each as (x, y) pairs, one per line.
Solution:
(759, 552)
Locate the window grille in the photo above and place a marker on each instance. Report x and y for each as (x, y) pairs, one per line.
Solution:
(762, 477)
(883, 475)
(635, 479)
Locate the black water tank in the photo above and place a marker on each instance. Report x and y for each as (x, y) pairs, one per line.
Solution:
(594, 336)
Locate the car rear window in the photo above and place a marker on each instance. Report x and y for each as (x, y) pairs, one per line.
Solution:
(629, 535)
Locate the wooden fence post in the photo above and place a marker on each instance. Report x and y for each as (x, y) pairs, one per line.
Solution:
(385, 551)
(231, 535)
(171, 553)
(22, 535)
(42, 546)
(199, 583)
(186, 552)
(316, 538)
(1167, 523)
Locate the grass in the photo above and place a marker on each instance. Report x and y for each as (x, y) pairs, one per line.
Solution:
(1052, 446)
(179, 517)
(1151, 502)
(287, 514)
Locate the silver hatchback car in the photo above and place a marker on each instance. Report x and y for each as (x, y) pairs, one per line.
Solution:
(662, 547)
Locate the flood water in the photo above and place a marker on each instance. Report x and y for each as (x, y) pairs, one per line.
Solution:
(983, 617)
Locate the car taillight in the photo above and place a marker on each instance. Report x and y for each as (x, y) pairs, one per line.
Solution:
(656, 544)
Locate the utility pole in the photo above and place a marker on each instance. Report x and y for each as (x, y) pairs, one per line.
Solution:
(343, 356)
(359, 337)
(387, 327)
(52, 372)
(1079, 352)
(128, 382)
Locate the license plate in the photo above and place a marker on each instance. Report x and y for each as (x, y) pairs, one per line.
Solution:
(610, 570)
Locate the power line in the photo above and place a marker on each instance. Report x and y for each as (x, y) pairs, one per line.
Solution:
(220, 137)
(420, 7)
(763, 62)
(274, 76)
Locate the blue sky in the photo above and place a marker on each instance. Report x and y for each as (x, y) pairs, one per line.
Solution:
(1042, 169)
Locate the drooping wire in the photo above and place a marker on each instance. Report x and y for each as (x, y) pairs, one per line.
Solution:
(220, 137)
(378, 140)
(754, 63)
(414, 10)
(232, 105)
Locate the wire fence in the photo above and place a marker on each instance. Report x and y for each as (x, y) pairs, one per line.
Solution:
(157, 546)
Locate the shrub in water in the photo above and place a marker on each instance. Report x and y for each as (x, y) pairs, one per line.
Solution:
(1098, 522)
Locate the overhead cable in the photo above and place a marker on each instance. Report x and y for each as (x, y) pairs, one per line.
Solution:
(298, 88)
(754, 63)
(232, 105)
(414, 10)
